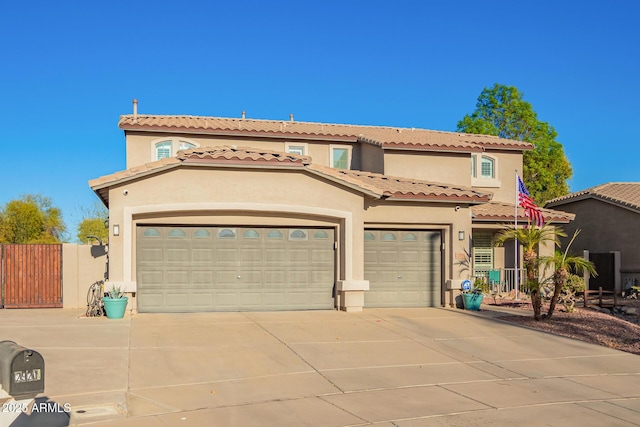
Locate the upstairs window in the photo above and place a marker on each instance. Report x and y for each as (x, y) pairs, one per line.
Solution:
(169, 148)
(340, 157)
(487, 167)
(163, 150)
(299, 149)
(484, 167)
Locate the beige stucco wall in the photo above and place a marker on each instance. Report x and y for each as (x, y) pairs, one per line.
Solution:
(235, 196)
(504, 187)
(80, 269)
(443, 217)
(372, 158)
(450, 168)
(140, 147)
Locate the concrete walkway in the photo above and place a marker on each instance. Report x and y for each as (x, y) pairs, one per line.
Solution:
(383, 367)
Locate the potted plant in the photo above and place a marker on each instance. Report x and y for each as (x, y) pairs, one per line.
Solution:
(472, 299)
(115, 303)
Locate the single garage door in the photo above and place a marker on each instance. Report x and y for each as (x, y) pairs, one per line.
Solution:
(197, 269)
(403, 268)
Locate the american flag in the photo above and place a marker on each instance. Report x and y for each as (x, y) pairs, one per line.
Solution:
(530, 208)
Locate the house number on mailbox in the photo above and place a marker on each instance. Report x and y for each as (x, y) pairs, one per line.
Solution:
(26, 376)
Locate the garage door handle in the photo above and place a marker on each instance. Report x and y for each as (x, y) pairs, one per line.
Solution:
(399, 277)
(238, 277)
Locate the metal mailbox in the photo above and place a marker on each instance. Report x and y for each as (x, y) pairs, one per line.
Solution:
(21, 370)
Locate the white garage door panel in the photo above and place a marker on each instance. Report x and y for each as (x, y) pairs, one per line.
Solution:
(186, 269)
(403, 268)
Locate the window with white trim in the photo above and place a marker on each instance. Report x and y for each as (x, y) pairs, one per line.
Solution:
(340, 156)
(298, 148)
(487, 169)
(170, 147)
(484, 167)
(482, 252)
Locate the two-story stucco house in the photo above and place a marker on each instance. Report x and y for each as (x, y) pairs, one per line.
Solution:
(224, 214)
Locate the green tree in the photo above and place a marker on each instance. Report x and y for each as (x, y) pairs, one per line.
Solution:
(563, 264)
(531, 238)
(92, 224)
(502, 111)
(31, 219)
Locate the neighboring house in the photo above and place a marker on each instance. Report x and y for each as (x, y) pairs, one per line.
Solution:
(609, 217)
(240, 214)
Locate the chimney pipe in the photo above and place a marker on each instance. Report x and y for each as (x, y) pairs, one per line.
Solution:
(244, 114)
(135, 109)
(291, 117)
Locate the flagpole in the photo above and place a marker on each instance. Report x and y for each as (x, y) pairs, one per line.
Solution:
(517, 272)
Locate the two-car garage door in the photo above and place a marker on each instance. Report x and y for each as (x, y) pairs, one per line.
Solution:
(195, 269)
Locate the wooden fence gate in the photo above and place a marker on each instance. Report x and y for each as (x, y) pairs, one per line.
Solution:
(31, 275)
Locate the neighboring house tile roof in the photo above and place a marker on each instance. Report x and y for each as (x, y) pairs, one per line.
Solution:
(496, 211)
(387, 137)
(625, 194)
(376, 185)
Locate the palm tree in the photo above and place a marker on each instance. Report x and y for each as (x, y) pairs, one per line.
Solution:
(531, 238)
(562, 264)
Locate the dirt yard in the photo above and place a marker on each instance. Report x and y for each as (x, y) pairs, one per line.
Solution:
(619, 331)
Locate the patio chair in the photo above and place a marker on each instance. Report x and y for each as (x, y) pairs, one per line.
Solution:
(495, 283)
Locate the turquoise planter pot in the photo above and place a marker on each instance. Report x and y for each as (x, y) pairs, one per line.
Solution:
(115, 308)
(472, 301)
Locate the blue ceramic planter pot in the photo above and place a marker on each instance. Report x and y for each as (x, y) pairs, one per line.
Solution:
(115, 308)
(472, 301)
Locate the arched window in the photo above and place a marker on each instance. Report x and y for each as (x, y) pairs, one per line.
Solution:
(168, 147)
(320, 235)
(202, 234)
(250, 234)
(151, 232)
(487, 167)
(274, 234)
(176, 232)
(388, 237)
(297, 235)
(184, 145)
(226, 233)
(163, 150)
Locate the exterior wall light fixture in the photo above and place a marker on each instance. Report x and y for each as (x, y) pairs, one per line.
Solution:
(116, 229)
(461, 235)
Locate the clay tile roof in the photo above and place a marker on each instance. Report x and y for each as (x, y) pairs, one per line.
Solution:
(405, 188)
(625, 194)
(496, 211)
(240, 155)
(376, 185)
(387, 137)
(135, 172)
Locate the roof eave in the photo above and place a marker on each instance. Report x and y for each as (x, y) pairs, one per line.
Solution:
(437, 199)
(237, 133)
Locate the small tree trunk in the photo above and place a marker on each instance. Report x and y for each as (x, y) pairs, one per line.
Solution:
(536, 301)
(560, 277)
(554, 299)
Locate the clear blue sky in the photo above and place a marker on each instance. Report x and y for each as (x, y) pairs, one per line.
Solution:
(69, 69)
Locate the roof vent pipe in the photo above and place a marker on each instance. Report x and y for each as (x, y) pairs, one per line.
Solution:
(244, 114)
(291, 117)
(135, 109)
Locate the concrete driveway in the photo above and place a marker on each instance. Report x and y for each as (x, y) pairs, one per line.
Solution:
(383, 367)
